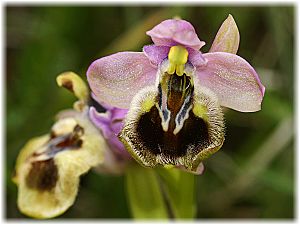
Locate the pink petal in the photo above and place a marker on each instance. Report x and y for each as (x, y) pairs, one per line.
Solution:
(156, 54)
(110, 123)
(173, 32)
(196, 57)
(118, 114)
(227, 38)
(233, 80)
(115, 79)
(101, 121)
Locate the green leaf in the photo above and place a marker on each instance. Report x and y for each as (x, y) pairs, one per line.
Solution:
(278, 181)
(180, 190)
(144, 194)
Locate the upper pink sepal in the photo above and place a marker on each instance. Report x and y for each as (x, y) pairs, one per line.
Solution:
(227, 38)
(117, 78)
(175, 32)
(233, 80)
(156, 54)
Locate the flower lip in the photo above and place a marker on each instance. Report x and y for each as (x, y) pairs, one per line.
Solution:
(48, 180)
(173, 32)
(150, 144)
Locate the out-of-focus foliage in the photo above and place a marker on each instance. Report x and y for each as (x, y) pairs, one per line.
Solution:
(251, 177)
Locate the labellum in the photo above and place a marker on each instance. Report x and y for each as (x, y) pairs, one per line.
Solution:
(176, 122)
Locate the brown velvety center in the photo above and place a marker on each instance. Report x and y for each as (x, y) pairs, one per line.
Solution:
(193, 133)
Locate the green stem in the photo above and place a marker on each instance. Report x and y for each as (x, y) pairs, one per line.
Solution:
(144, 193)
(180, 189)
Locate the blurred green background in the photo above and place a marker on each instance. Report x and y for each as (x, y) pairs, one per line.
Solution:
(254, 173)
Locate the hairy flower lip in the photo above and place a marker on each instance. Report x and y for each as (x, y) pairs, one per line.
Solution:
(138, 128)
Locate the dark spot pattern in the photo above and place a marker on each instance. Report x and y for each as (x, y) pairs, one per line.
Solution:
(71, 141)
(43, 175)
(150, 133)
(192, 137)
(68, 84)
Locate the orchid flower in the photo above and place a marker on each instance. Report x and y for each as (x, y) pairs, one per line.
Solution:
(48, 167)
(174, 93)
(162, 107)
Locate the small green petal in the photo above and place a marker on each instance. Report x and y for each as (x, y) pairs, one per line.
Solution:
(73, 83)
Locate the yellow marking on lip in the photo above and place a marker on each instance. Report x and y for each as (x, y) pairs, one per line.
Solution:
(168, 166)
(147, 105)
(200, 111)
